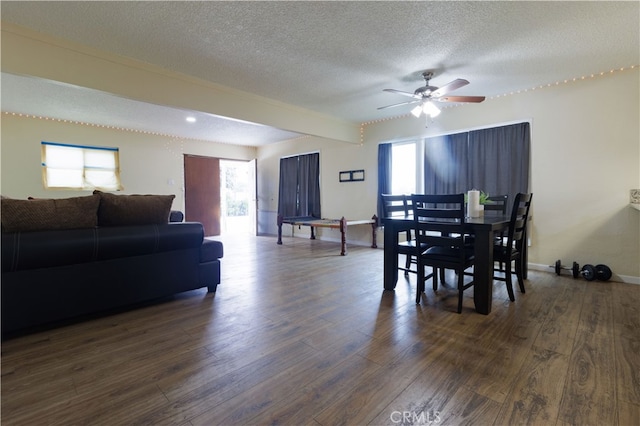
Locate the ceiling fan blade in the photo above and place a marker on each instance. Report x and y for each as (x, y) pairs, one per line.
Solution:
(474, 99)
(400, 92)
(449, 87)
(400, 104)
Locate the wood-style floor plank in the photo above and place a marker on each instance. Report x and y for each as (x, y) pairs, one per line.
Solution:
(536, 393)
(589, 395)
(299, 335)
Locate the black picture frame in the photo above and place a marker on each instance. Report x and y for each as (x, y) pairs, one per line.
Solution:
(351, 176)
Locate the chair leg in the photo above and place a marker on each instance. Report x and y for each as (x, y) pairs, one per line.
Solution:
(434, 283)
(460, 290)
(407, 264)
(507, 275)
(519, 274)
(419, 282)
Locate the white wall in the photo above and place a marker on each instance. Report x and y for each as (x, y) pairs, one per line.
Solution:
(585, 158)
(149, 164)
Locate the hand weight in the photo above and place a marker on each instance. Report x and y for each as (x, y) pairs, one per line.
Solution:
(588, 272)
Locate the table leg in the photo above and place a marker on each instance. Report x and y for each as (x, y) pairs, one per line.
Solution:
(524, 256)
(343, 236)
(390, 257)
(374, 236)
(279, 229)
(483, 271)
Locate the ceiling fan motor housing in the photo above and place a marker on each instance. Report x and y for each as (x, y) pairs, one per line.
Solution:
(425, 91)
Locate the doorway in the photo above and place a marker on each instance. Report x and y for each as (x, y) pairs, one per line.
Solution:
(237, 197)
(221, 194)
(202, 192)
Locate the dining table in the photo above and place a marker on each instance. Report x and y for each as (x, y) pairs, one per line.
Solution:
(483, 228)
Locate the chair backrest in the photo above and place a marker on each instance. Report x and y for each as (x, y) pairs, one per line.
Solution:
(395, 205)
(497, 204)
(439, 220)
(519, 218)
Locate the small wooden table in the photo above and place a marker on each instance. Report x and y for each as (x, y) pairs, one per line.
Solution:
(340, 224)
(484, 229)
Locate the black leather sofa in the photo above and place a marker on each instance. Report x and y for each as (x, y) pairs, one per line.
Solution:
(50, 276)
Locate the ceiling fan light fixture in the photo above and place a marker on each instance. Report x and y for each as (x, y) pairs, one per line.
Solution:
(417, 111)
(430, 109)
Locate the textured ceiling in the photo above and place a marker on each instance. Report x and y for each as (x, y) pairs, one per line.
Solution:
(336, 57)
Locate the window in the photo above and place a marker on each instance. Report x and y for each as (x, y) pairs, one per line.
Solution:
(80, 167)
(403, 168)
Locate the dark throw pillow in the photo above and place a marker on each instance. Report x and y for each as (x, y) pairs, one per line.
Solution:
(126, 210)
(49, 214)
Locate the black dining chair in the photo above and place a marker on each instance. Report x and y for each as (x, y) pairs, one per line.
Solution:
(509, 250)
(439, 225)
(497, 204)
(399, 205)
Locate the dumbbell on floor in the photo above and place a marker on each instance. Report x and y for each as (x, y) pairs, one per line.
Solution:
(588, 272)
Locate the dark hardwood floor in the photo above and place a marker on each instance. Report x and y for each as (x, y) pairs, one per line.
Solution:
(298, 335)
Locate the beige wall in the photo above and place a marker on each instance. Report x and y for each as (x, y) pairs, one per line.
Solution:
(149, 164)
(585, 157)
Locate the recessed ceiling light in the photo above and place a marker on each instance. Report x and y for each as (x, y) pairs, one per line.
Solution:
(191, 119)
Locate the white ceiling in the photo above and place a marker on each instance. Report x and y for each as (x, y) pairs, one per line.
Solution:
(330, 57)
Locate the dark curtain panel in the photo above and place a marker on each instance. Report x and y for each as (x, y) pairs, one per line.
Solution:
(288, 187)
(499, 159)
(494, 160)
(309, 185)
(445, 164)
(299, 186)
(384, 174)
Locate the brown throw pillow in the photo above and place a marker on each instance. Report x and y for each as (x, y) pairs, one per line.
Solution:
(125, 210)
(49, 214)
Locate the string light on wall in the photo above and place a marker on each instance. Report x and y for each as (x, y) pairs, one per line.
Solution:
(101, 126)
(363, 125)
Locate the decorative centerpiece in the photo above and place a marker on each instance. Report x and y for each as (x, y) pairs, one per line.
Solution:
(475, 201)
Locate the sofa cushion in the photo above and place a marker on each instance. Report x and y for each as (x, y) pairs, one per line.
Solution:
(176, 216)
(33, 250)
(49, 214)
(127, 210)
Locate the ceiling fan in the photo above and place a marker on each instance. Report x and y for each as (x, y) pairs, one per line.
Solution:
(427, 94)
